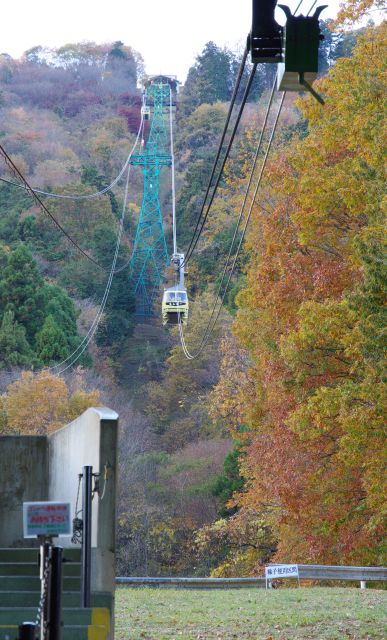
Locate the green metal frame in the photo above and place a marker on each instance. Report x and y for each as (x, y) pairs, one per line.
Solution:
(150, 255)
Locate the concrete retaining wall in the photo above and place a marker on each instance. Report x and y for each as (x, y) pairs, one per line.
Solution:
(91, 440)
(47, 468)
(23, 478)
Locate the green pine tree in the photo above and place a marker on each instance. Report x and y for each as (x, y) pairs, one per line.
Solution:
(229, 482)
(21, 291)
(14, 348)
(210, 79)
(51, 343)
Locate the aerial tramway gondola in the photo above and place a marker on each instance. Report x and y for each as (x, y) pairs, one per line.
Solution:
(145, 112)
(175, 303)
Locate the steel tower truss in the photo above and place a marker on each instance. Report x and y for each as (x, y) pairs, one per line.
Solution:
(150, 255)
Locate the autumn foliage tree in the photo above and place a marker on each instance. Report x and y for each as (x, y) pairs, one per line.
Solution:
(37, 404)
(311, 318)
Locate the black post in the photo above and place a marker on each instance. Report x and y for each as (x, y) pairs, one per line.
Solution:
(86, 537)
(45, 578)
(27, 631)
(55, 612)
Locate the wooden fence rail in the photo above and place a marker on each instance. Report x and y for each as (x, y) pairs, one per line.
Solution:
(306, 572)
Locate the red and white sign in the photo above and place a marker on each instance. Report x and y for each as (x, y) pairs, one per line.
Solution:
(46, 519)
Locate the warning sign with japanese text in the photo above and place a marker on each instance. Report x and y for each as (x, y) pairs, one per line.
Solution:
(46, 519)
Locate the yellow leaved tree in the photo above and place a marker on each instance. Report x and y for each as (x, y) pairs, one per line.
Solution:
(37, 404)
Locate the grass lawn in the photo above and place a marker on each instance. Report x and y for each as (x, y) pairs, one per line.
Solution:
(316, 613)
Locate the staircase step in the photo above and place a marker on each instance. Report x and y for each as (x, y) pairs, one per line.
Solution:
(70, 616)
(73, 632)
(10, 632)
(31, 555)
(69, 599)
(32, 583)
(32, 569)
(92, 632)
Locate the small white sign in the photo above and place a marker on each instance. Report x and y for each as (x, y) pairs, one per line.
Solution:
(275, 571)
(46, 519)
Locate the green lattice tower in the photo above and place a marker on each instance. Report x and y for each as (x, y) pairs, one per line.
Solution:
(150, 255)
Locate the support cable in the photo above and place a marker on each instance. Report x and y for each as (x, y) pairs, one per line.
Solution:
(28, 188)
(173, 174)
(77, 353)
(235, 128)
(220, 146)
(210, 329)
(43, 207)
(89, 196)
(241, 213)
(312, 7)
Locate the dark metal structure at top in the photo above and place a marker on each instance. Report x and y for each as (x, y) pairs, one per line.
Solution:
(294, 46)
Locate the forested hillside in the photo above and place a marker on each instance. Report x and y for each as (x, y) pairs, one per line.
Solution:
(268, 444)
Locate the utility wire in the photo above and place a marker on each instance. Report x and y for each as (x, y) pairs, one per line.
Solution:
(220, 146)
(312, 7)
(209, 331)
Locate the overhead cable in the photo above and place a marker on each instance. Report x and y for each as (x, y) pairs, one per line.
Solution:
(89, 196)
(41, 204)
(220, 146)
(229, 146)
(11, 165)
(173, 174)
(210, 329)
(68, 362)
(241, 213)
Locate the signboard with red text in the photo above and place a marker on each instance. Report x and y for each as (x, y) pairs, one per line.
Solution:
(46, 519)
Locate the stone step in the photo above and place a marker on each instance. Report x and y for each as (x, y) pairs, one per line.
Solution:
(69, 599)
(32, 569)
(31, 555)
(92, 632)
(32, 583)
(16, 615)
(73, 632)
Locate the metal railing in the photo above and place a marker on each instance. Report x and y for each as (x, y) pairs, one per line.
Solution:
(333, 572)
(306, 572)
(192, 583)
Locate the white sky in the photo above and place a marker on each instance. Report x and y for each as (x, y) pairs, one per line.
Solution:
(168, 33)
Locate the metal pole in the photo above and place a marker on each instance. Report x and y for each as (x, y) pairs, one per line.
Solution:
(27, 631)
(55, 612)
(181, 270)
(45, 576)
(86, 537)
